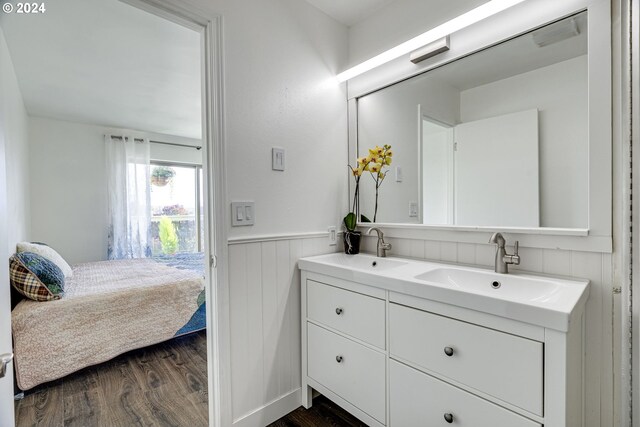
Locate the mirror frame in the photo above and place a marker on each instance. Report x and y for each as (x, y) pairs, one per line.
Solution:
(525, 17)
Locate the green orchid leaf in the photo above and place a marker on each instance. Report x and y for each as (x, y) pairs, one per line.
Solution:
(350, 221)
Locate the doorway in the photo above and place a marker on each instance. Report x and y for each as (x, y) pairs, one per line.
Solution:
(206, 233)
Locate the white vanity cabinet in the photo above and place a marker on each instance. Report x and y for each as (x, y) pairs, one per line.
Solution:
(395, 359)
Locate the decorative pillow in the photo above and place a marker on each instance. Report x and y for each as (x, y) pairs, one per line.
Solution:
(36, 277)
(48, 253)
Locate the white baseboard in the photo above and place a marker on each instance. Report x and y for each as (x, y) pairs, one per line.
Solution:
(271, 412)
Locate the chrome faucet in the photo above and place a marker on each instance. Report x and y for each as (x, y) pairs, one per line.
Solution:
(382, 247)
(503, 259)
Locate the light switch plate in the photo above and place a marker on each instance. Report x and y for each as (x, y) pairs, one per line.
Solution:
(333, 236)
(277, 159)
(242, 213)
(399, 174)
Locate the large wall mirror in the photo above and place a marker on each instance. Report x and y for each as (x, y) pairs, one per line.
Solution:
(499, 138)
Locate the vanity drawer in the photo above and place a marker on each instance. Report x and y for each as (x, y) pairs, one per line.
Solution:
(505, 366)
(358, 315)
(418, 399)
(350, 370)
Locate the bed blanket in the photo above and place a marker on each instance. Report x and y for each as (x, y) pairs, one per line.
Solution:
(109, 308)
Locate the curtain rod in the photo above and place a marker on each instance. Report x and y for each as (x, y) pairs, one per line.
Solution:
(175, 144)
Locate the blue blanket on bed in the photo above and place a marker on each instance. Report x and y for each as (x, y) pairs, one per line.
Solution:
(189, 261)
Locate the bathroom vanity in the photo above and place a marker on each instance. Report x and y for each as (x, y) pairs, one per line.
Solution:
(402, 343)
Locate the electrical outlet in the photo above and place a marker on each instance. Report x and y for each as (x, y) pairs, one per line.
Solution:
(333, 236)
(413, 209)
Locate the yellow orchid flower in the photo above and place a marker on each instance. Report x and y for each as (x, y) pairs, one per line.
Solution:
(361, 168)
(387, 161)
(375, 167)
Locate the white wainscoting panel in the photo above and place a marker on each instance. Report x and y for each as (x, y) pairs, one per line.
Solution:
(264, 283)
(597, 267)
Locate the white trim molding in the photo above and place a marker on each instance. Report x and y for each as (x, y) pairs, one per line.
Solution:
(276, 237)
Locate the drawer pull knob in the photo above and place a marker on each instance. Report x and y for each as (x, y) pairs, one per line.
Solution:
(339, 311)
(339, 359)
(448, 351)
(448, 418)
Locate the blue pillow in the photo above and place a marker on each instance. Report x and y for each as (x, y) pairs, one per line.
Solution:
(36, 277)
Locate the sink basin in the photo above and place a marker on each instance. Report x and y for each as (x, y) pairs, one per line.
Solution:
(539, 300)
(511, 286)
(362, 262)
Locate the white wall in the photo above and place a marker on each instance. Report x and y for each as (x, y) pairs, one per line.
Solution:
(390, 116)
(69, 184)
(14, 207)
(280, 89)
(265, 326)
(560, 94)
(281, 60)
(13, 125)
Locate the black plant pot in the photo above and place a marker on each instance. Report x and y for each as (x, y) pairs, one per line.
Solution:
(351, 241)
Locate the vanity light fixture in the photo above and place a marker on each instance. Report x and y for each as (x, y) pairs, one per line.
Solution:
(458, 23)
(555, 33)
(430, 50)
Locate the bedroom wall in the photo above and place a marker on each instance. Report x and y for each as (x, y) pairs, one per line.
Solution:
(12, 229)
(14, 129)
(68, 184)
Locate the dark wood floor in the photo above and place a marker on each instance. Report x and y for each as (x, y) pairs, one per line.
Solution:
(161, 385)
(323, 413)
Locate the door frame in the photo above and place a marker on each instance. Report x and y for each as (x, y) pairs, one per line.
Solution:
(210, 26)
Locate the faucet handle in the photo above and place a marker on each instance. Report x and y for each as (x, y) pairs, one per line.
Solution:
(514, 258)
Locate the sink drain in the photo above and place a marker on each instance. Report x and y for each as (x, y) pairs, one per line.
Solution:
(495, 284)
(374, 263)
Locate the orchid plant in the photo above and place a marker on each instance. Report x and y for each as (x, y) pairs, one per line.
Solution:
(378, 159)
(351, 220)
(374, 163)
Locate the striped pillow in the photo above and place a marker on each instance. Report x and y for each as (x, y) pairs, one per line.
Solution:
(36, 277)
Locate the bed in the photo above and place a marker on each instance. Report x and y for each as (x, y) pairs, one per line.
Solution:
(108, 308)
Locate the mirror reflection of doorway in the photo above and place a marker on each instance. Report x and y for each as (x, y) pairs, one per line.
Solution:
(437, 176)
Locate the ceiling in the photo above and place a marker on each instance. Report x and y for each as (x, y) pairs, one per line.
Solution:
(107, 63)
(349, 12)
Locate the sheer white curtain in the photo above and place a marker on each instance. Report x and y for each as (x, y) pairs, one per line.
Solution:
(129, 187)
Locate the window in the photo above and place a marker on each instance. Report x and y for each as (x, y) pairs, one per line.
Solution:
(176, 208)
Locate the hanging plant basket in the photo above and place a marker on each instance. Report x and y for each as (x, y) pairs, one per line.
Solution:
(162, 175)
(159, 181)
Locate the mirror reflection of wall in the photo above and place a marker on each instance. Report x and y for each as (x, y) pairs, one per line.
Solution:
(485, 145)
